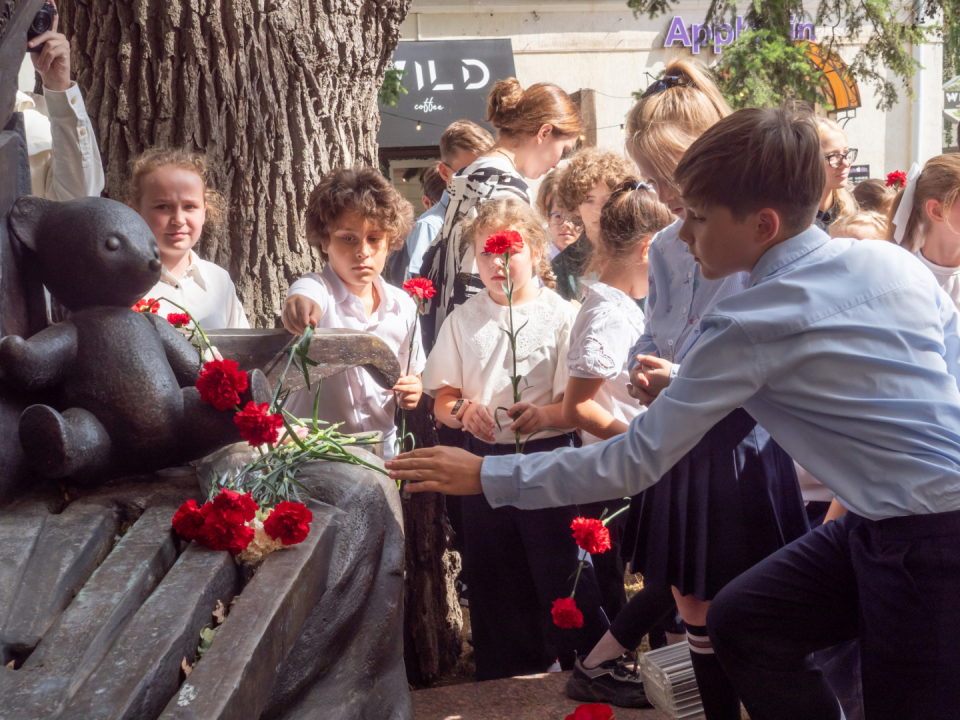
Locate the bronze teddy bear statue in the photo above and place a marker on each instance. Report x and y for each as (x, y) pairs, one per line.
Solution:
(117, 385)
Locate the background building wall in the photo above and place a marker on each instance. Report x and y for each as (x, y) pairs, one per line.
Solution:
(602, 46)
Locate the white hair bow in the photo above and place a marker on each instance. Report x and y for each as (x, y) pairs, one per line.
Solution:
(906, 204)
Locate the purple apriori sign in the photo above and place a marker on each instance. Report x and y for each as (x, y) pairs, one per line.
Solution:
(696, 36)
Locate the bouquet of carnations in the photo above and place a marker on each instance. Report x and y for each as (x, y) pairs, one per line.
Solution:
(258, 509)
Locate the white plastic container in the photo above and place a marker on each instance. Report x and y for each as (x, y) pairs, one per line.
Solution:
(669, 682)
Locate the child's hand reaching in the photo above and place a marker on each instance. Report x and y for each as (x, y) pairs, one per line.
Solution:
(298, 312)
(649, 378)
(529, 418)
(408, 389)
(478, 421)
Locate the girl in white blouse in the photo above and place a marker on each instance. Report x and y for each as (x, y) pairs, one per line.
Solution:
(516, 562)
(171, 190)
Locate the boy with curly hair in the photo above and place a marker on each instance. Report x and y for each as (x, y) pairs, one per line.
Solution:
(583, 187)
(356, 218)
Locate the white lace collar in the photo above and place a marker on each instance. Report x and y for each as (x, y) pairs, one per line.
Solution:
(484, 322)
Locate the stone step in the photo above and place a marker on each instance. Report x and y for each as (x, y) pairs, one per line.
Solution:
(82, 635)
(532, 697)
(142, 670)
(233, 679)
(53, 567)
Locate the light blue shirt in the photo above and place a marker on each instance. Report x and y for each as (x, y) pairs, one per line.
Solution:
(677, 299)
(425, 229)
(846, 351)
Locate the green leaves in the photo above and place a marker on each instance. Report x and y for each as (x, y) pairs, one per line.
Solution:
(392, 87)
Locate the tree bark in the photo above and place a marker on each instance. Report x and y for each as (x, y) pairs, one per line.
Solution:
(276, 93)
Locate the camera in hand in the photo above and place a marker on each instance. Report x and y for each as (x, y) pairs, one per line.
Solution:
(42, 22)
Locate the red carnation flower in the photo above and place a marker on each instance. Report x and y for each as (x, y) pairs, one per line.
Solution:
(591, 535)
(220, 384)
(419, 288)
(596, 711)
(221, 531)
(897, 180)
(178, 319)
(566, 614)
(235, 506)
(505, 241)
(257, 425)
(189, 520)
(147, 306)
(289, 522)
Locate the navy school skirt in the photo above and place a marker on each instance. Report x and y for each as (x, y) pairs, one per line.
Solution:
(725, 506)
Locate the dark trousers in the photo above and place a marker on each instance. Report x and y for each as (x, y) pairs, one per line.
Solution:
(882, 581)
(516, 563)
(650, 610)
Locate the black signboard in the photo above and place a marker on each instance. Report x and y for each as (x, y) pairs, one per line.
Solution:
(858, 173)
(446, 80)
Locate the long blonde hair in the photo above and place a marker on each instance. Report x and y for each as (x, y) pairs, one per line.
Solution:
(841, 199)
(940, 180)
(661, 126)
(506, 212)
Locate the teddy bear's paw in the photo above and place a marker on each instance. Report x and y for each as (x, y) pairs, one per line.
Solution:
(74, 443)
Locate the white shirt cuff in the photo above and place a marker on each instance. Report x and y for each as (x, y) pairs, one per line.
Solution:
(65, 104)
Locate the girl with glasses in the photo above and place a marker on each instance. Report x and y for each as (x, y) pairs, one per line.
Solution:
(836, 201)
(563, 228)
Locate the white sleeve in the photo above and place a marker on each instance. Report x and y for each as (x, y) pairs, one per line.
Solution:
(312, 286)
(720, 374)
(444, 367)
(600, 348)
(76, 169)
(562, 374)
(237, 317)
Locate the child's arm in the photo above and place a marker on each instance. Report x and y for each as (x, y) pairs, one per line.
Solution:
(582, 411)
(532, 418)
(836, 511)
(472, 417)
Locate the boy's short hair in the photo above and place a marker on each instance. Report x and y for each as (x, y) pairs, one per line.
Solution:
(865, 224)
(756, 158)
(464, 135)
(546, 194)
(873, 194)
(588, 168)
(364, 191)
(433, 183)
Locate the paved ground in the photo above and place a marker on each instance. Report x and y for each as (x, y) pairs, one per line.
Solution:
(535, 697)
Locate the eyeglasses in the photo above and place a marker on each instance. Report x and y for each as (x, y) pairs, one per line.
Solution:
(560, 218)
(835, 160)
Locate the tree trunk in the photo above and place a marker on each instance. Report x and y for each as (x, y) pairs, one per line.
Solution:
(432, 618)
(276, 93)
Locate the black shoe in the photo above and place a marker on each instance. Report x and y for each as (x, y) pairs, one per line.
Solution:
(615, 681)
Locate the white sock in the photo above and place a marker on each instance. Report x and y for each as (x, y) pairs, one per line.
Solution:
(607, 649)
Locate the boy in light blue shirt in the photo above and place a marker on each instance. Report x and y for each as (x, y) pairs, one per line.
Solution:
(847, 353)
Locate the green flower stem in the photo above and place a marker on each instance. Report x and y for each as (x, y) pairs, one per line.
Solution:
(514, 379)
(577, 578)
(196, 326)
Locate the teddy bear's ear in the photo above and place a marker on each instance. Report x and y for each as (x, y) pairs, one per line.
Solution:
(25, 217)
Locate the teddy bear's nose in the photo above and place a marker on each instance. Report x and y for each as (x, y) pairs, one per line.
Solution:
(154, 265)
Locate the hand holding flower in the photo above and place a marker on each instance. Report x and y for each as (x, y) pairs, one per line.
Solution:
(408, 389)
(298, 312)
(528, 418)
(478, 420)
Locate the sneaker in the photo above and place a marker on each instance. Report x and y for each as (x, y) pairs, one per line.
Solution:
(616, 682)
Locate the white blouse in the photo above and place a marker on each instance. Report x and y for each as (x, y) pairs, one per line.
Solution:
(949, 278)
(352, 397)
(206, 290)
(609, 323)
(473, 355)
